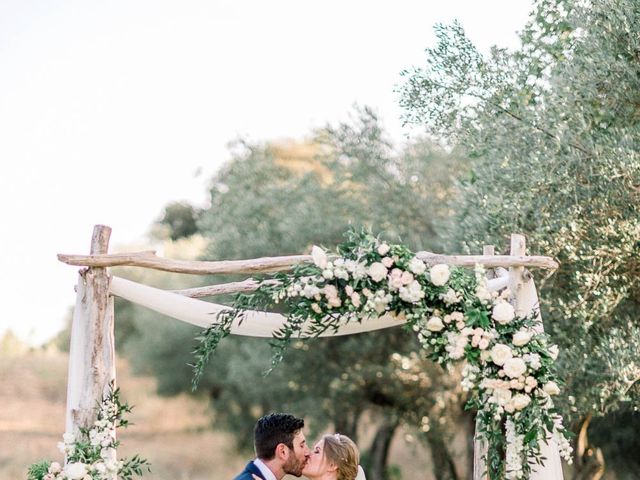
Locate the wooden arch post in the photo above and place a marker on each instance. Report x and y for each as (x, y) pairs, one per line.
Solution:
(524, 298)
(92, 349)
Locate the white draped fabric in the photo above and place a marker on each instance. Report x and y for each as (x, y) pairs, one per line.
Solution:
(203, 314)
(254, 324)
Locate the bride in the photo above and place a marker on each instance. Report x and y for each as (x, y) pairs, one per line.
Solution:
(334, 457)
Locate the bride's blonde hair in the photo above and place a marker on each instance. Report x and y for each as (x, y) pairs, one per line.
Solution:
(341, 451)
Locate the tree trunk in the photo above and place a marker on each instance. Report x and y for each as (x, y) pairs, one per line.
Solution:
(588, 460)
(379, 451)
(347, 424)
(443, 465)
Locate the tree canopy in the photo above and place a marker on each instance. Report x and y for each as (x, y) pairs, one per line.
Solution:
(553, 128)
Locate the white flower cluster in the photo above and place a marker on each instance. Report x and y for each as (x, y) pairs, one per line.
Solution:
(514, 454)
(404, 283)
(566, 451)
(482, 292)
(377, 301)
(516, 366)
(338, 268)
(451, 297)
(470, 374)
(101, 437)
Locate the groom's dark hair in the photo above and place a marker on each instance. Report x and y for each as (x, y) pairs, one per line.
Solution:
(272, 430)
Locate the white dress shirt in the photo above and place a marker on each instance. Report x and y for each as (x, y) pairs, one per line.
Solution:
(266, 473)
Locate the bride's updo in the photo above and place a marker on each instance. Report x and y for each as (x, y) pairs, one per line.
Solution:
(341, 451)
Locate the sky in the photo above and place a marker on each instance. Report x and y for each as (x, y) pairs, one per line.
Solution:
(111, 110)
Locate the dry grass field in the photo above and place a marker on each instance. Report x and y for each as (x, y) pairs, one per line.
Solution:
(174, 434)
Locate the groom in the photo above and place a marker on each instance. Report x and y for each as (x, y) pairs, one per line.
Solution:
(280, 448)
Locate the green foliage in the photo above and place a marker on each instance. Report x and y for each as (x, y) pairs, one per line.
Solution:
(38, 470)
(180, 219)
(210, 339)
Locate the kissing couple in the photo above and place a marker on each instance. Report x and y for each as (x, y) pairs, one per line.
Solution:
(281, 449)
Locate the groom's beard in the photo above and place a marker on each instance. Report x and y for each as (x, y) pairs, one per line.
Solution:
(294, 466)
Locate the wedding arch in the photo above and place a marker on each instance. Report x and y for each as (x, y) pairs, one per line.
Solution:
(92, 373)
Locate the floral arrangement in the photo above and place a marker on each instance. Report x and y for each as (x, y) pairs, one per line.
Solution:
(508, 368)
(91, 455)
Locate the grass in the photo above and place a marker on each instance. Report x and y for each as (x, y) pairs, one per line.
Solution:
(172, 433)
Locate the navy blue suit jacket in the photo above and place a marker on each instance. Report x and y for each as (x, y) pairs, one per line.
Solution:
(248, 470)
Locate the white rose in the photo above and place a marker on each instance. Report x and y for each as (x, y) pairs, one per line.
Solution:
(319, 257)
(330, 291)
(502, 395)
(377, 271)
(413, 293)
(387, 262)
(520, 400)
(395, 279)
(551, 388)
(328, 274)
(439, 274)
(514, 367)
(334, 302)
(456, 353)
(533, 359)
(406, 278)
(75, 471)
(55, 467)
(417, 266)
(503, 313)
(383, 249)
(500, 353)
(554, 351)
(483, 343)
(482, 293)
(522, 337)
(355, 299)
(451, 297)
(467, 331)
(435, 324)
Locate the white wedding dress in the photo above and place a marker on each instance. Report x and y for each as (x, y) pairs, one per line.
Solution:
(360, 475)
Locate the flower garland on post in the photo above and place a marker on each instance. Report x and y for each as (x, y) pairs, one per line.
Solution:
(91, 455)
(509, 370)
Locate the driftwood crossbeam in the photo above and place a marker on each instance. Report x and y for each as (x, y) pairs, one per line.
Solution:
(275, 264)
(92, 350)
(149, 259)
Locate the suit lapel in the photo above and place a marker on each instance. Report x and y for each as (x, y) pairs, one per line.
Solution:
(252, 468)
